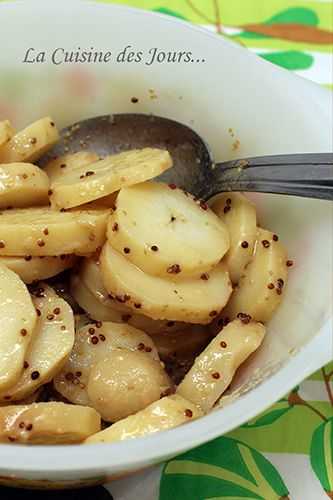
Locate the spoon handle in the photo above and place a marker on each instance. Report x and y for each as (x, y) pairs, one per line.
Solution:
(308, 175)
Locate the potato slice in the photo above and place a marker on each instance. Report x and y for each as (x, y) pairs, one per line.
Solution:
(167, 413)
(95, 308)
(60, 166)
(31, 143)
(104, 311)
(93, 343)
(165, 232)
(6, 132)
(182, 344)
(91, 182)
(125, 383)
(191, 300)
(50, 346)
(47, 423)
(23, 185)
(31, 269)
(239, 215)
(18, 320)
(110, 308)
(46, 232)
(215, 368)
(260, 289)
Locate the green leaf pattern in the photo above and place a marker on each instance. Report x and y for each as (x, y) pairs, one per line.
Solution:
(255, 479)
(322, 455)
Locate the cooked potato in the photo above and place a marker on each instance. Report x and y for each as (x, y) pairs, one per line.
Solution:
(91, 276)
(93, 343)
(84, 184)
(165, 232)
(108, 307)
(260, 289)
(31, 269)
(46, 232)
(31, 143)
(95, 308)
(125, 383)
(23, 185)
(52, 342)
(167, 413)
(47, 423)
(215, 368)
(182, 344)
(191, 300)
(58, 167)
(6, 132)
(18, 320)
(239, 215)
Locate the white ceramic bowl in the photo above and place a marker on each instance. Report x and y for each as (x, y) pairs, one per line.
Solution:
(268, 109)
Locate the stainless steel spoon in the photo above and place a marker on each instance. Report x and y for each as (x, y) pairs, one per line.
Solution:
(308, 175)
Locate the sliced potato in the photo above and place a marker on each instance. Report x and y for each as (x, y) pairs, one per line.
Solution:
(84, 184)
(18, 320)
(214, 369)
(260, 289)
(191, 300)
(96, 309)
(47, 423)
(182, 344)
(23, 185)
(239, 215)
(112, 308)
(93, 343)
(6, 132)
(125, 383)
(165, 232)
(50, 346)
(167, 413)
(31, 269)
(31, 143)
(91, 276)
(60, 166)
(46, 232)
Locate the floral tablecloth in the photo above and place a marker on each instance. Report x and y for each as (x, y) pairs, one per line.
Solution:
(286, 452)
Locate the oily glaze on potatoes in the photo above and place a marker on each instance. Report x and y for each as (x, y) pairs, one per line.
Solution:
(32, 269)
(260, 289)
(92, 344)
(110, 308)
(46, 232)
(165, 232)
(47, 423)
(30, 144)
(51, 344)
(214, 369)
(191, 300)
(18, 320)
(23, 185)
(61, 165)
(80, 185)
(126, 382)
(167, 413)
(239, 216)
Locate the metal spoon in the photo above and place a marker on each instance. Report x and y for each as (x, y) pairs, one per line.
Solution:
(308, 175)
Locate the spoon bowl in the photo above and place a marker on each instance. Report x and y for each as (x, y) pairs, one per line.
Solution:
(309, 175)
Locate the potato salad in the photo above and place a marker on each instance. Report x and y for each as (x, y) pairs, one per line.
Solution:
(126, 304)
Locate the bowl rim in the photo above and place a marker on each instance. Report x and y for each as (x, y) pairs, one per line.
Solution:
(91, 460)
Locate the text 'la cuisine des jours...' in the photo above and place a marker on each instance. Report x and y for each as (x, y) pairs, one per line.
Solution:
(128, 54)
